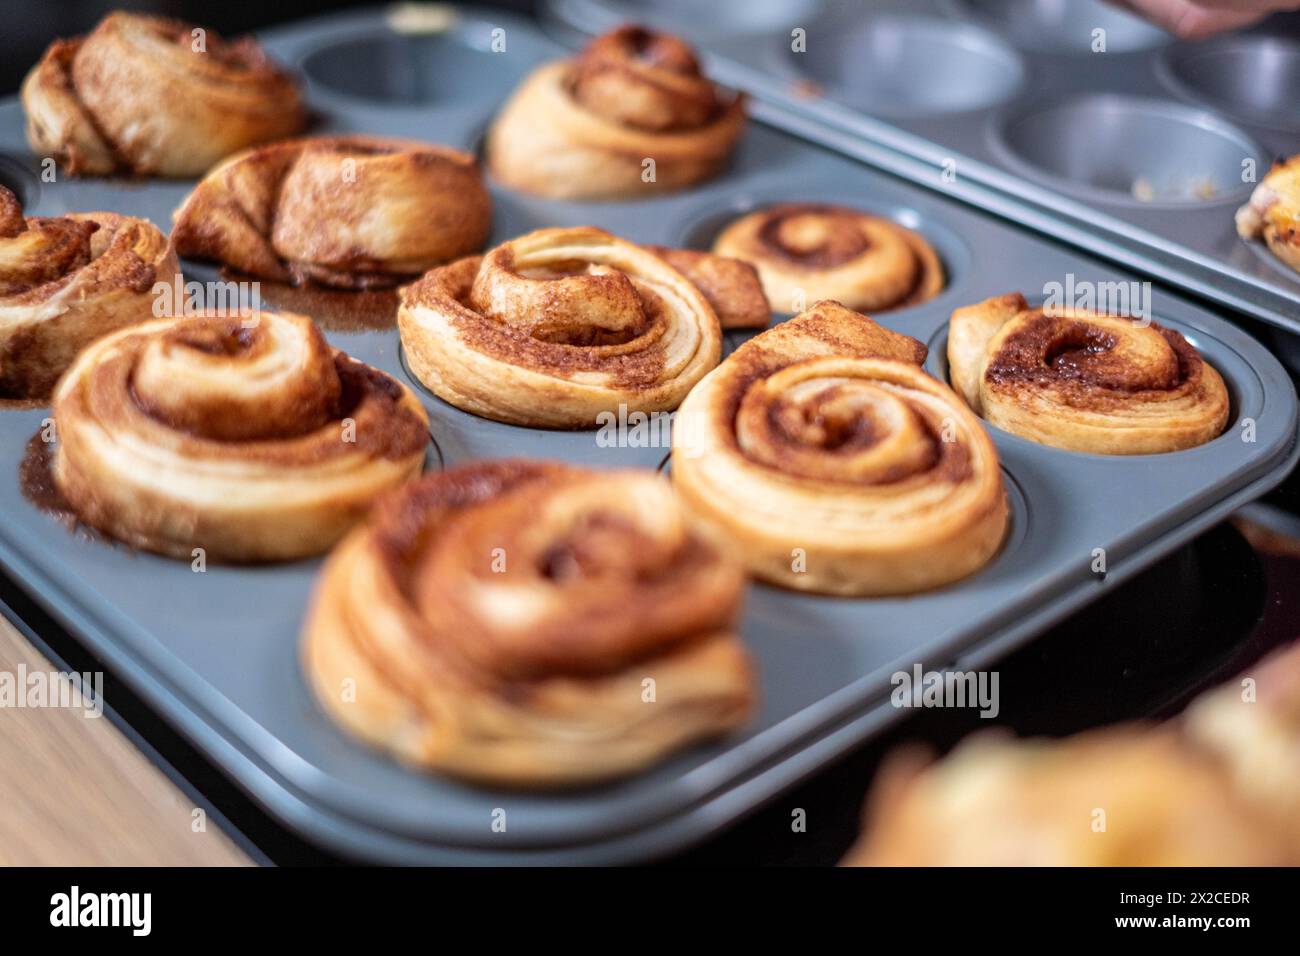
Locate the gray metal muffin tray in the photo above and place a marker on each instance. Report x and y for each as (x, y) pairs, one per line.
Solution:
(1009, 96)
(216, 653)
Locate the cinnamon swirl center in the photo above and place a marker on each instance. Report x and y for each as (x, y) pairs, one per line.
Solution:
(818, 420)
(820, 237)
(565, 561)
(1119, 356)
(573, 303)
(644, 80)
(223, 379)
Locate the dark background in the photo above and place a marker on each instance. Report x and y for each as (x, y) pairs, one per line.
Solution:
(28, 26)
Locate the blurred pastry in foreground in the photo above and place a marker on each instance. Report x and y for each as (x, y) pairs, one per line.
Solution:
(1252, 726)
(526, 623)
(823, 457)
(345, 212)
(631, 115)
(67, 280)
(1273, 213)
(145, 94)
(1079, 380)
(1116, 797)
(553, 328)
(246, 436)
(810, 251)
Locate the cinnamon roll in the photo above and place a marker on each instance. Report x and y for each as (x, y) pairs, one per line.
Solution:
(348, 212)
(1252, 727)
(1082, 381)
(245, 436)
(810, 251)
(144, 94)
(1117, 797)
(67, 280)
(528, 623)
(821, 456)
(555, 327)
(630, 115)
(1273, 213)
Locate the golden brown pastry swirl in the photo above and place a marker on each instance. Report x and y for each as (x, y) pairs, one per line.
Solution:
(352, 212)
(825, 459)
(1079, 380)
(1273, 213)
(643, 79)
(1117, 797)
(1252, 728)
(557, 326)
(246, 436)
(150, 95)
(809, 251)
(1216, 786)
(67, 280)
(528, 623)
(584, 128)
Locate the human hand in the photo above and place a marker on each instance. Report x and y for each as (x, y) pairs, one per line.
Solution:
(1198, 19)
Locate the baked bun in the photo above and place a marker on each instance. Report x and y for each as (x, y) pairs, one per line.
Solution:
(555, 327)
(67, 280)
(1252, 727)
(144, 94)
(347, 212)
(809, 251)
(525, 623)
(1116, 797)
(247, 437)
(1273, 213)
(824, 458)
(631, 115)
(1078, 380)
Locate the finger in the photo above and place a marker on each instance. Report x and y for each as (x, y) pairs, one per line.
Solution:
(1248, 6)
(1192, 21)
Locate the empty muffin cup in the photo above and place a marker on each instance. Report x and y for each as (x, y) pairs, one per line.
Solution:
(1063, 26)
(1128, 149)
(389, 67)
(1253, 77)
(894, 65)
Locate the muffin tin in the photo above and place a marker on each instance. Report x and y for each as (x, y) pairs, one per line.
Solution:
(216, 653)
(1009, 96)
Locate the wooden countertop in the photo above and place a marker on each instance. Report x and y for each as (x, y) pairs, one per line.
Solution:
(75, 791)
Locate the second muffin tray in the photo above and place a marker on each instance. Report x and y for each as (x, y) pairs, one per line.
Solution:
(1076, 118)
(216, 653)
